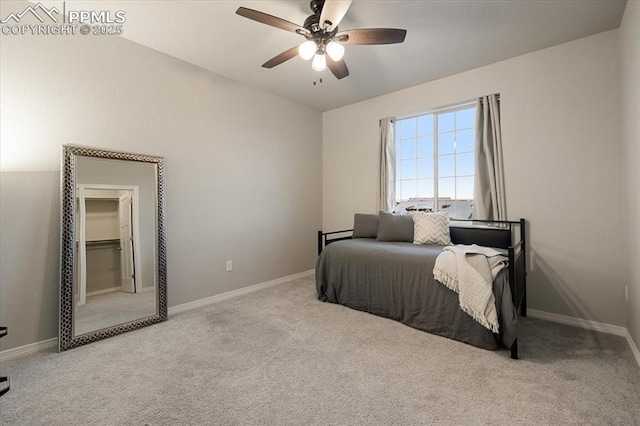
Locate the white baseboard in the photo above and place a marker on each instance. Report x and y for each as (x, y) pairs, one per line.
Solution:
(589, 325)
(104, 291)
(634, 348)
(29, 349)
(115, 289)
(53, 343)
(578, 322)
(235, 293)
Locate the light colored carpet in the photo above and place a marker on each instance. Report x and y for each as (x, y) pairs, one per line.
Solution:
(279, 356)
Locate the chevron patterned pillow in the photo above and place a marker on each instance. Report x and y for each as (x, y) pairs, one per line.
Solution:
(431, 228)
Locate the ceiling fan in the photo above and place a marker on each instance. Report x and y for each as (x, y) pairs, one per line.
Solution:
(323, 38)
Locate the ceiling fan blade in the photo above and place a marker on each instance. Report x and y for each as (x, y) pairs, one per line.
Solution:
(371, 36)
(283, 57)
(338, 68)
(333, 11)
(274, 21)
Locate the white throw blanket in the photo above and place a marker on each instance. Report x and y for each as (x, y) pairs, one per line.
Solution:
(470, 271)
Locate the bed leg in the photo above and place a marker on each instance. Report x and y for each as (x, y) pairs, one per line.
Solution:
(514, 350)
(523, 307)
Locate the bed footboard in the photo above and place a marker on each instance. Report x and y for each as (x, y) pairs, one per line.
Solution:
(518, 278)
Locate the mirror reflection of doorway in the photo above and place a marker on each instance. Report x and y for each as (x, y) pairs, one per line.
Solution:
(107, 241)
(109, 286)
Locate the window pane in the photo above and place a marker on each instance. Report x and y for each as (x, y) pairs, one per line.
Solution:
(464, 188)
(425, 125)
(466, 118)
(464, 164)
(426, 203)
(461, 209)
(446, 166)
(406, 148)
(406, 128)
(425, 168)
(399, 190)
(408, 169)
(446, 188)
(425, 189)
(425, 146)
(408, 189)
(446, 143)
(445, 122)
(465, 140)
(445, 206)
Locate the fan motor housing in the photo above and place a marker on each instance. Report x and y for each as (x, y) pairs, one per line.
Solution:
(311, 24)
(310, 21)
(316, 6)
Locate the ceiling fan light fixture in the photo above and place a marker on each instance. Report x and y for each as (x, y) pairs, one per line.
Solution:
(307, 49)
(322, 37)
(319, 62)
(335, 50)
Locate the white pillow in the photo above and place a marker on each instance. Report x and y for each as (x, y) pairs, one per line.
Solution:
(431, 228)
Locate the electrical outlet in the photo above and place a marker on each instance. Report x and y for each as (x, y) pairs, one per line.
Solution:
(626, 292)
(229, 265)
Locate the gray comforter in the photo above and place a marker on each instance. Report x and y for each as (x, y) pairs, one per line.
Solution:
(395, 280)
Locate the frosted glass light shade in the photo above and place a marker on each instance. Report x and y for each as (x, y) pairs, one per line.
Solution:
(307, 49)
(319, 63)
(335, 50)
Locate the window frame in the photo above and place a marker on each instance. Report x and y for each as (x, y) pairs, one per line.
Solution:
(435, 153)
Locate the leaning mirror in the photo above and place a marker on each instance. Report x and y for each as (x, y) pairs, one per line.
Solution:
(113, 265)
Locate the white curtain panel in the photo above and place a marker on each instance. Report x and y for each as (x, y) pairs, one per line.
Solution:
(387, 165)
(489, 192)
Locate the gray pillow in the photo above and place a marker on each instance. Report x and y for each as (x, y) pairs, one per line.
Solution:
(393, 227)
(365, 225)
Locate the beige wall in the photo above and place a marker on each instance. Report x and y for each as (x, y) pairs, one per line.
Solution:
(243, 172)
(29, 254)
(562, 151)
(630, 92)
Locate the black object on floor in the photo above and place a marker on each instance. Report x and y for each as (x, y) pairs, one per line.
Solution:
(4, 389)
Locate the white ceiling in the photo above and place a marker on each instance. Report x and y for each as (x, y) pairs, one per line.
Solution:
(443, 38)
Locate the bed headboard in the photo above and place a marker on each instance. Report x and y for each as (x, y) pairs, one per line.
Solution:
(488, 237)
(489, 233)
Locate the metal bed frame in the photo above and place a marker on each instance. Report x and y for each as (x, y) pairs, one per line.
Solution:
(490, 233)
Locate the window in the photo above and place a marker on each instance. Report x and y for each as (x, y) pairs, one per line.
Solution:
(435, 162)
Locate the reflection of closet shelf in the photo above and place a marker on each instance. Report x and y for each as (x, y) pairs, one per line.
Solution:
(98, 244)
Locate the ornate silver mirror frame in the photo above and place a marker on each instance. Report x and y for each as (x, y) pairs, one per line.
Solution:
(68, 309)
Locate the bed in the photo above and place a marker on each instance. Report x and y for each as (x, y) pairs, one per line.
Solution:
(394, 279)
